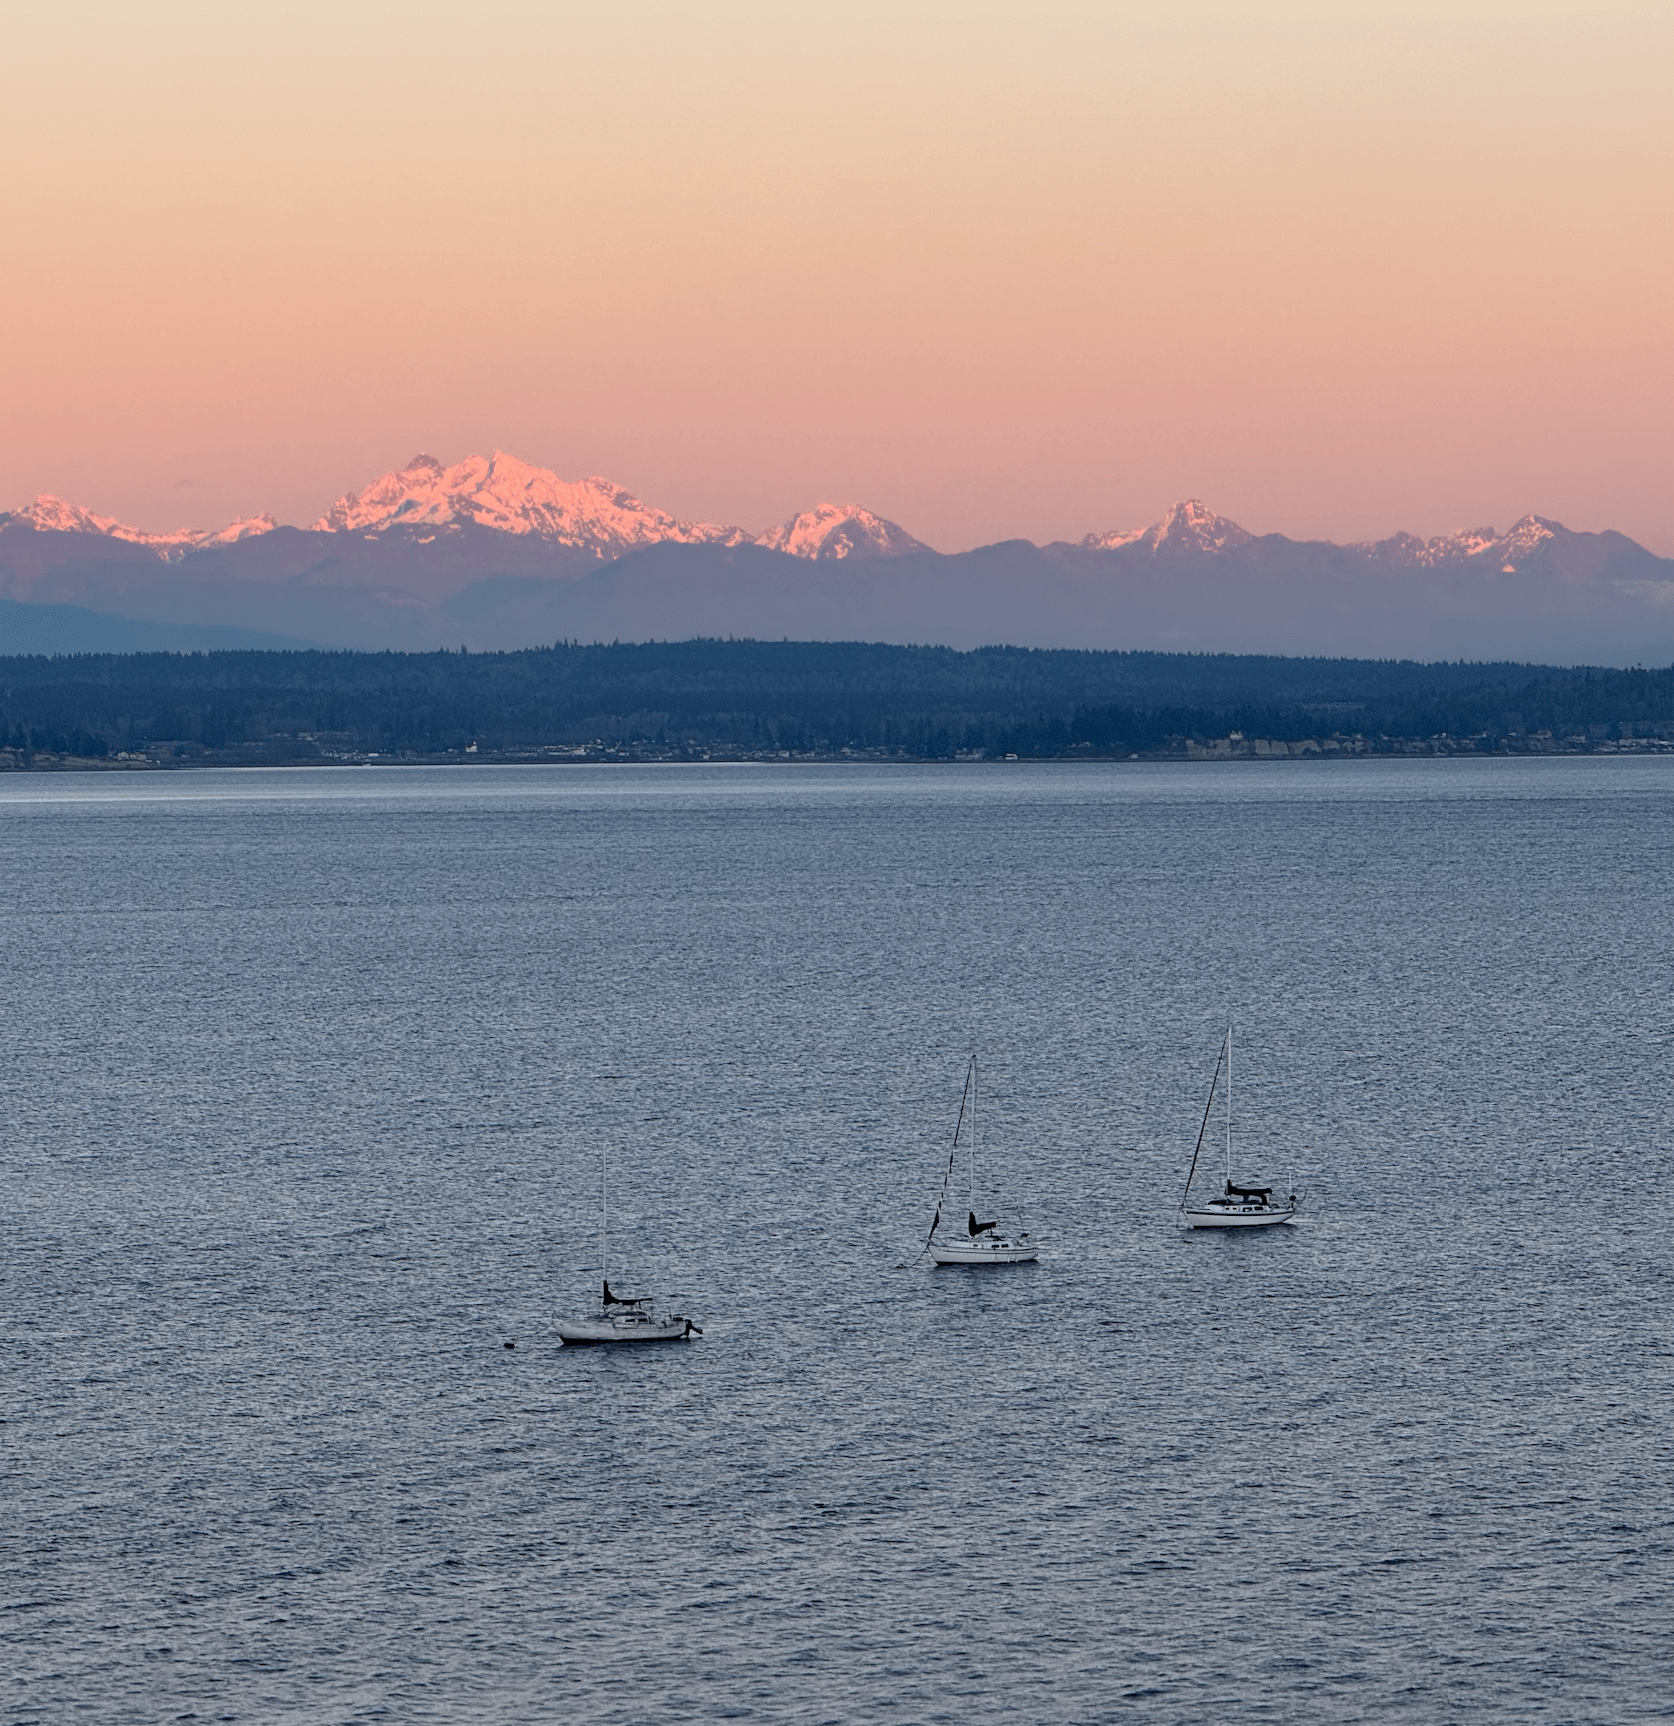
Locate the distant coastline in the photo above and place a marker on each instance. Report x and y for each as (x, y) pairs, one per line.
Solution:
(1320, 749)
(764, 702)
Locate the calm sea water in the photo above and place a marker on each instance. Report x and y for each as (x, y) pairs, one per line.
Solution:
(309, 1077)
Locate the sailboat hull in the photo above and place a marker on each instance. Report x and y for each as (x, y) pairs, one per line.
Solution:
(580, 1332)
(1236, 1217)
(982, 1253)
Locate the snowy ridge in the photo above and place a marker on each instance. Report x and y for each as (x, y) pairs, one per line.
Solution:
(510, 496)
(49, 514)
(1188, 526)
(1525, 539)
(833, 530)
(425, 500)
(1193, 526)
(246, 527)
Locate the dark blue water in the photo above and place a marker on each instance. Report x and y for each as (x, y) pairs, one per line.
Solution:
(309, 1076)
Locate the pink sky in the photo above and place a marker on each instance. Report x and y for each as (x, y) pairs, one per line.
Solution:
(992, 270)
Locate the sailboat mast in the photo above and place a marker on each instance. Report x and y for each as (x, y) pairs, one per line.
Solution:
(604, 1216)
(973, 1133)
(1229, 1103)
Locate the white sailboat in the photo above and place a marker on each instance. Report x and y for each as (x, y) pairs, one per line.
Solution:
(621, 1318)
(1235, 1207)
(981, 1243)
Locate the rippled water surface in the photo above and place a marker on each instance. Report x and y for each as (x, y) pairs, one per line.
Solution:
(309, 1077)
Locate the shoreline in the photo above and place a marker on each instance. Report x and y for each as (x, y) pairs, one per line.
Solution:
(176, 758)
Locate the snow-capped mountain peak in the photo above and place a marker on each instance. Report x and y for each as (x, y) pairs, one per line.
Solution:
(1188, 526)
(49, 514)
(1193, 526)
(510, 496)
(835, 530)
(1528, 537)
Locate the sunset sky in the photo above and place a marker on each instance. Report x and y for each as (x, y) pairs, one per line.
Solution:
(992, 270)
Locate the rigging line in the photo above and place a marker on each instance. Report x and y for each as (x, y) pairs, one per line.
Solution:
(953, 1152)
(1214, 1084)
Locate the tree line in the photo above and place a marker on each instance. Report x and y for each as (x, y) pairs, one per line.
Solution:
(754, 696)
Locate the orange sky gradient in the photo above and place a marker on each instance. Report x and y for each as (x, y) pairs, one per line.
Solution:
(991, 270)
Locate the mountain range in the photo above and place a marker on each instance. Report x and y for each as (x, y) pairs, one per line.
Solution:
(494, 553)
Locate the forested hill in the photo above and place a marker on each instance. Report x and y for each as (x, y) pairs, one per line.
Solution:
(677, 699)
